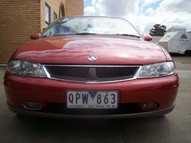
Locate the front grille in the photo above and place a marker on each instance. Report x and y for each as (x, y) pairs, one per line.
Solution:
(93, 74)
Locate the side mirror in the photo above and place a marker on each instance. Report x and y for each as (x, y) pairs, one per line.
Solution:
(147, 37)
(35, 35)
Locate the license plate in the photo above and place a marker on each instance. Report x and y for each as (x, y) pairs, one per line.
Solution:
(92, 99)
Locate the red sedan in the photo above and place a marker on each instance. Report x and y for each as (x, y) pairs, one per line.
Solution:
(91, 67)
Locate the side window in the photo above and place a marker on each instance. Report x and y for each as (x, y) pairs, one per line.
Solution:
(47, 14)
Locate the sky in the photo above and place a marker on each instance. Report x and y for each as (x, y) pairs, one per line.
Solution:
(144, 14)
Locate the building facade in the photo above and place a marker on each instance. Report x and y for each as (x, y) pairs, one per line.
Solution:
(20, 18)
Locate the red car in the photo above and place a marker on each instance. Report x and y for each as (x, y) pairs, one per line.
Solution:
(91, 67)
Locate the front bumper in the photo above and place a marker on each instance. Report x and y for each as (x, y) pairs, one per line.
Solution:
(114, 116)
(19, 90)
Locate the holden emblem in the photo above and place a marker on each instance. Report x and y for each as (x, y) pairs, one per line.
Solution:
(92, 58)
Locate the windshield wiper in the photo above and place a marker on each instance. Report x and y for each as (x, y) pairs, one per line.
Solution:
(44, 36)
(130, 35)
(85, 33)
(74, 34)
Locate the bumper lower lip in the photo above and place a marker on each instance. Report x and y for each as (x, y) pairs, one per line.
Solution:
(114, 116)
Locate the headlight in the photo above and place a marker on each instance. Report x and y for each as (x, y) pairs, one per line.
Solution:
(24, 68)
(156, 70)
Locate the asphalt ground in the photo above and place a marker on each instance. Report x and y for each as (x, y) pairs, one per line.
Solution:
(175, 127)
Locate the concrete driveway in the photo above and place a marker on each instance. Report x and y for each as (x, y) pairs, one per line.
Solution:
(172, 128)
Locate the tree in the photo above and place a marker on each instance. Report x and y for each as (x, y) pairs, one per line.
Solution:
(158, 30)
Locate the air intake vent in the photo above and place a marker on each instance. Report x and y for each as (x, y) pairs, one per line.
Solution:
(92, 74)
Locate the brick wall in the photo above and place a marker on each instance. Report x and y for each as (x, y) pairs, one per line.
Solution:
(74, 7)
(20, 18)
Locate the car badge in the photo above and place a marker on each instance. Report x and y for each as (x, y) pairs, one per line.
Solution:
(92, 58)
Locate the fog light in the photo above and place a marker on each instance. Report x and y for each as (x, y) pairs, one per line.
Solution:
(32, 105)
(150, 106)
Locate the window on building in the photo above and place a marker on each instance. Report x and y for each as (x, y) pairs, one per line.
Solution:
(61, 11)
(55, 16)
(47, 14)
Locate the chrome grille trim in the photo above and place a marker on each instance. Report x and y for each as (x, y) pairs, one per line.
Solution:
(134, 76)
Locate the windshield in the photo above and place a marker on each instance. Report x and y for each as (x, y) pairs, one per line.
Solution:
(91, 25)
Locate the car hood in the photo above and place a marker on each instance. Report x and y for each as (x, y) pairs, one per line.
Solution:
(77, 49)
